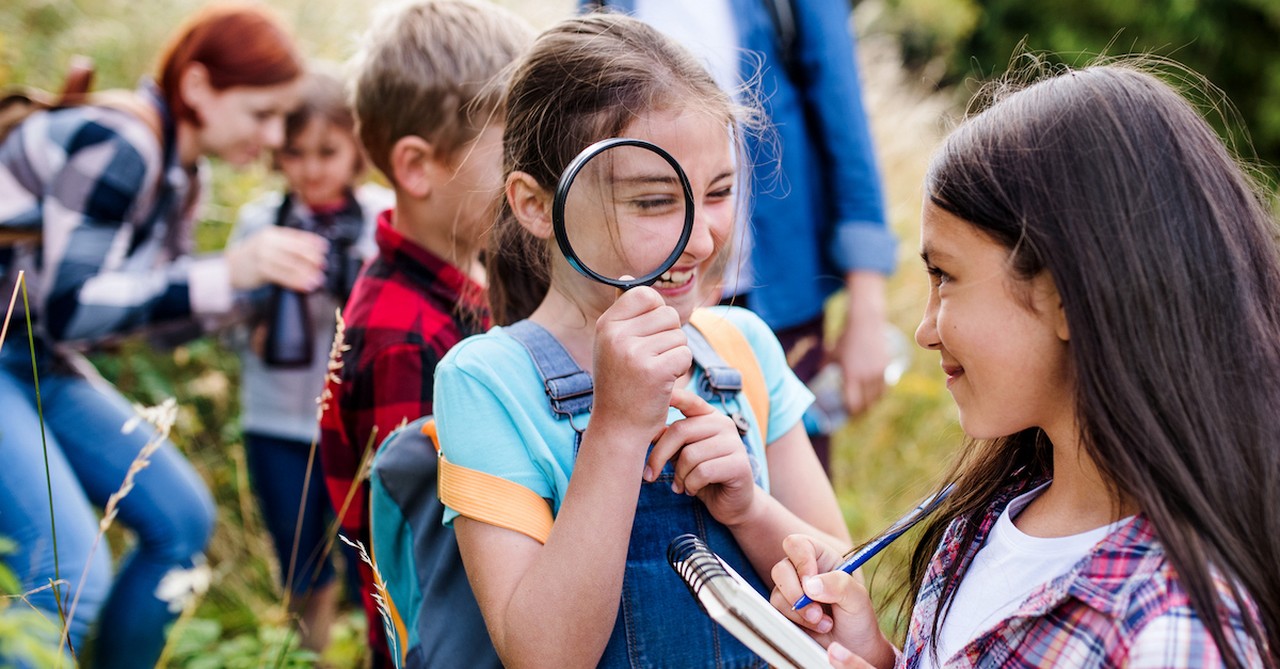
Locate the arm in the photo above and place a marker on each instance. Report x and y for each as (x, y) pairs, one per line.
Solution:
(861, 243)
(97, 279)
(712, 464)
(95, 283)
(860, 348)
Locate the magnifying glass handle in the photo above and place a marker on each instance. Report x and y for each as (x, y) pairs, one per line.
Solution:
(624, 288)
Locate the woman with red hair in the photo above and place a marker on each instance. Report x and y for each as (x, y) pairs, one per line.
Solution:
(112, 187)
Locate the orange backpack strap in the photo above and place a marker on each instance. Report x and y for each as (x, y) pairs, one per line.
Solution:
(491, 499)
(729, 342)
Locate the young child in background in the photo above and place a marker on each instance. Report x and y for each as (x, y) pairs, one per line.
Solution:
(427, 97)
(1106, 304)
(284, 352)
(597, 589)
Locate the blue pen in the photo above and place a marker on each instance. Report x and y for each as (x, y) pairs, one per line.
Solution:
(860, 557)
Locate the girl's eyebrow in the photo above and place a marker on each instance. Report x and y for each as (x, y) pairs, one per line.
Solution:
(927, 253)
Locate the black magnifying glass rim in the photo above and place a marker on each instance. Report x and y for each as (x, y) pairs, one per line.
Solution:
(562, 194)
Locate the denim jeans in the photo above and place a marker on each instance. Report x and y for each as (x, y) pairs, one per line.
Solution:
(169, 510)
(278, 471)
(659, 622)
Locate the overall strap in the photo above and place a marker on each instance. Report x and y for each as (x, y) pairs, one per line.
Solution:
(728, 341)
(568, 386)
(719, 379)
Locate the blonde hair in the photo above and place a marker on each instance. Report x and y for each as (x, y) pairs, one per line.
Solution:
(434, 69)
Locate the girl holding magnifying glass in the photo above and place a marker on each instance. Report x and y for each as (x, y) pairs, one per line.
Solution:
(653, 458)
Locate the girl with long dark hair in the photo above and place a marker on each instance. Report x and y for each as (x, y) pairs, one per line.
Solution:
(1105, 301)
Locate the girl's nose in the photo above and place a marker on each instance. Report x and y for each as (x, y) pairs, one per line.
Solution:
(702, 243)
(927, 331)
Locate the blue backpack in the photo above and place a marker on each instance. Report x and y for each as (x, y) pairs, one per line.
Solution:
(433, 613)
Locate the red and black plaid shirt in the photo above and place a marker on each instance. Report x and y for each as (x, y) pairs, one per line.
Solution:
(407, 309)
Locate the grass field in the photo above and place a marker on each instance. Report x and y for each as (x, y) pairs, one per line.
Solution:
(883, 461)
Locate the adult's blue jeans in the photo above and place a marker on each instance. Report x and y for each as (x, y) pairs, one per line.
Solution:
(169, 509)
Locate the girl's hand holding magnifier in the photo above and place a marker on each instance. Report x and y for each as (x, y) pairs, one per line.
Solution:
(640, 352)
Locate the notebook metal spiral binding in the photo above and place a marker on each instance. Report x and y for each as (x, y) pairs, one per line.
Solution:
(694, 561)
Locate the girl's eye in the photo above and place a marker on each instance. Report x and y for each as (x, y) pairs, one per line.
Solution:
(721, 193)
(654, 203)
(937, 277)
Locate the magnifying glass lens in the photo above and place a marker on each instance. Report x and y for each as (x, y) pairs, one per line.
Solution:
(626, 213)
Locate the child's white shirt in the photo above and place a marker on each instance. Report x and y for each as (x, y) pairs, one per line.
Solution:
(1008, 567)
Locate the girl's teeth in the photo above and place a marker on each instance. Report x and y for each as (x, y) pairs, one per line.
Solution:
(675, 278)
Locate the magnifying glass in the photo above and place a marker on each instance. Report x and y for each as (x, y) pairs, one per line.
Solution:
(623, 208)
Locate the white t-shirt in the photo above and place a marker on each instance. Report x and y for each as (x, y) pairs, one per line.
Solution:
(1008, 567)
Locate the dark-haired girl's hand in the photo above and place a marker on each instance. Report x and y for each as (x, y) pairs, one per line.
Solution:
(841, 617)
(710, 459)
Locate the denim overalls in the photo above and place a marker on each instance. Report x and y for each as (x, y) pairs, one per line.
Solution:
(659, 622)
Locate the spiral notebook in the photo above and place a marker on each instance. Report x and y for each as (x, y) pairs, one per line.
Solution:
(740, 610)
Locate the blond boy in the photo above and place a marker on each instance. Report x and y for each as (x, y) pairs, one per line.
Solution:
(427, 95)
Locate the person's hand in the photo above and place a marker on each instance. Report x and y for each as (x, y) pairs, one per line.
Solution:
(710, 459)
(288, 257)
(841, 617)
(640, 351)
(861, 350)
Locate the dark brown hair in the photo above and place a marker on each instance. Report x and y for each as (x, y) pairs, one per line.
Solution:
(585, 79)
(323, 96)
(1165, 259)
(239, 44)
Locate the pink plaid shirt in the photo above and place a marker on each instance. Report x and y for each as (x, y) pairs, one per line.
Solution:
(1121, 605)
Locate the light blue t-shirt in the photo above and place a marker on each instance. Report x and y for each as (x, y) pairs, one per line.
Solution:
(492, 413)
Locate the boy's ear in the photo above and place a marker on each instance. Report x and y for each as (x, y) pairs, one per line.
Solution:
(411, 162)
(530, 203)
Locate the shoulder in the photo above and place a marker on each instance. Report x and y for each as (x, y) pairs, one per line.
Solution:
(1171, 634)
(1149, 602)
(746, 321)
(110, 145)
(492, 354)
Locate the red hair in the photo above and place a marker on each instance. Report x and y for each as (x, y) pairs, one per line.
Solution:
(239, 44)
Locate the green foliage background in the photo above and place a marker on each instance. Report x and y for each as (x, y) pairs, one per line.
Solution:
(1234, 43)
(884, 461)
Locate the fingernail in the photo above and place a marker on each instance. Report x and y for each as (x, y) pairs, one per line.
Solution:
(839, 652)
(812, 614)
(812, 586)
(675, 487)
(824, 625)
(648, 473)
